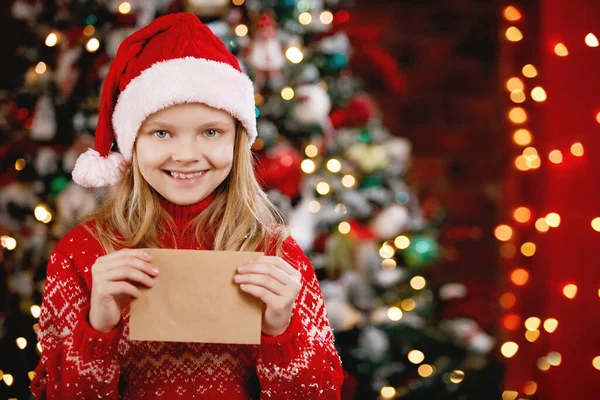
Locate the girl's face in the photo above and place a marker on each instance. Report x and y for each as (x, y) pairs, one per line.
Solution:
(186, 151)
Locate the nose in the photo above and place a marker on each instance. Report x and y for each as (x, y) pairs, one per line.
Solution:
(185, 152)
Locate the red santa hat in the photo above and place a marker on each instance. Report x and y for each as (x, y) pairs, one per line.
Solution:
(175, 59)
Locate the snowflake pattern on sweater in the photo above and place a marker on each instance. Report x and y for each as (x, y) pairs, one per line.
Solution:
(80, 363)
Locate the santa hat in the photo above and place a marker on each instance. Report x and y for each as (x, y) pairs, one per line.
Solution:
(175, 59)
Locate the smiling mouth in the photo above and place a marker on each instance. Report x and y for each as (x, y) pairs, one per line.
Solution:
(189, 175)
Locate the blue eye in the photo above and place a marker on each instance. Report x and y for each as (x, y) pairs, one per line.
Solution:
(212, 133)
(161, 134)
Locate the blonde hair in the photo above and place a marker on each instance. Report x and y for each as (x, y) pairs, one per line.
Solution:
(240, 218)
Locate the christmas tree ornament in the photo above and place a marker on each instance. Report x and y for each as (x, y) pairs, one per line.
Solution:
(71, 205)
(423, 251)
(46, 161)
(265, 54)
(390, 222)
(44, 120)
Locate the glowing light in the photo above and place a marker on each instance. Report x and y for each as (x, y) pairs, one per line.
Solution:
(323, 188)
(530, 388)
(532, 323)
(538, 94)
(394, 314)
(543, 364)
(509, 349)
(561, 50)
(528, 249)
(554, 358)
(40, 68)
(8, 242)
(508, 250)
(89, 30)
(570, 291)
(457, 376)
(287, 93)
(20, 164)
(425, 370)
(241, 30)
(596, 224)
(591, 40)
(598, 117)
(503, 233)
(387, 251)
(21, 342)
(92, 45)
(550, 325)
(513, 34)
(522, 214)
(42, 214)
(508, 300)
(512, 13)
(509, 395)
(514, 83)
(388, 392)
(294, 54)
(408, 304)
(519, 276)
(311, 150)
(511, 322)
(334, 165)
(522, 137)
(31, 375)
(124, 7)
(530, 152)
(326, 17)
(305, 18)
(541, 225)
(418, 282)
(388, 263)
(35, 311)
(517, 115)
(595, 362)
(529, 71)
(402, 242)
(38, 346)
(308, 166)
(348, 181)
(553, 220)
(532, 336)
(238, 2)
(555, 156)
(8, 379)
(344, 227)
(577, 149)
(517, 96)
(416, 356)
(314, 206)
(51, 40)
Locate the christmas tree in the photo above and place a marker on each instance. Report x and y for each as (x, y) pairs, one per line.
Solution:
(323, 155)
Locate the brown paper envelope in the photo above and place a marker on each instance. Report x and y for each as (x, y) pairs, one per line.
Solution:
(196, 300)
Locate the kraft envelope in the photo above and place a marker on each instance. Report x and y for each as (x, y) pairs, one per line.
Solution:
(196, 300)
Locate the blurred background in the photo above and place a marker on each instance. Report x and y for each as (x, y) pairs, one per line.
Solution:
(434, 158)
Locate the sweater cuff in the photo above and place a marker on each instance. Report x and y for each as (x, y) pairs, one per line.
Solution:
(282, 349)
(92, 343)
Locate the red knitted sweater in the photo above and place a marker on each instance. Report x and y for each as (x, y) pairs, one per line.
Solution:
(80, 363)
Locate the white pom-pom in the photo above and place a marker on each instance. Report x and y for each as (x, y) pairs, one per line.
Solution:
(92, 170)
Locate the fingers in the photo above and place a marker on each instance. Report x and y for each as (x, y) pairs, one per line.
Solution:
(122, 287)
(278, 262)
(126, 259)
(267, 269)
(142, 255)
(264, 281)
(270, 299)
(127, 273)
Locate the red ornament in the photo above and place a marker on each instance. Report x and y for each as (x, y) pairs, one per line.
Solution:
(279, 168)
(358, 112)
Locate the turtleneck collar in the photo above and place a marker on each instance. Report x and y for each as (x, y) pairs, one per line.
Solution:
(183, 214)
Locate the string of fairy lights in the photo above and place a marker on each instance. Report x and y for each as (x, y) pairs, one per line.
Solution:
(519, 87)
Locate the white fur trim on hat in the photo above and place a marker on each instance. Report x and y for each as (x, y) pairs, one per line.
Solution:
(182, 80)
(93, 170)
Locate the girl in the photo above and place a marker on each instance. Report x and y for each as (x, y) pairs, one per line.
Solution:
(183, 116)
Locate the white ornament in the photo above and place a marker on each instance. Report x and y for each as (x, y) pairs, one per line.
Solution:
(391, 222)
(312, 106)
(44, 120)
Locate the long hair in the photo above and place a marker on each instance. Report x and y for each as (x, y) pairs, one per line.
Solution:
(240, 218)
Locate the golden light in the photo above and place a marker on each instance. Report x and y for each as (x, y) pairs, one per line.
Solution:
(522, 214)
(326, 17)
(528, 249)
(402, 242)
(8, 379)
(311, 150)
(39, 347)
(503, 233)
(553, 220)
(314, 206)
(561, 50)
(334, 165)
(457, 376)
(509, 349)
(408, 304)
(124, 7)
(20, 164)
(598, 117)
(241, 30)
(387, 251)
(519, 276)
(532, 323)
(530, 388)
(577, 149)
(521, 163)
(21, 342)
(514, 83)
(543, 364)
(596, 362)
(532, 336)
(294, 54)
(541, 225)
(509, 395)
(344, 227)
(416, 356)
(323, 188)
(596, 224)
(539, 94)
(533, 162)
(555, 156)
(31, 375)
(418, 282)
(388, 392)
(570, 291)
(554, 358)
(42, 214)
(512, 14)
(92, 45)
(394, 314)
(287, 93)
(513, 34)
(348, 181)
(238, 2)
(51, 39)
(35, 311)
(89, 30)
(308, 166)
(591, 40)
(40, 68)
(529, 71)
(517, 96)
(550, 325)
(388, 263)
(9, 243)
(530, 152)
(508, 250)
(517, 115)
(522, 137)
(36, 328)
(305, 18)
(425, 370)
(507, 300)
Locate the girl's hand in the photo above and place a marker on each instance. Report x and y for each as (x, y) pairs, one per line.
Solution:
(113, 284)
(277, 284)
